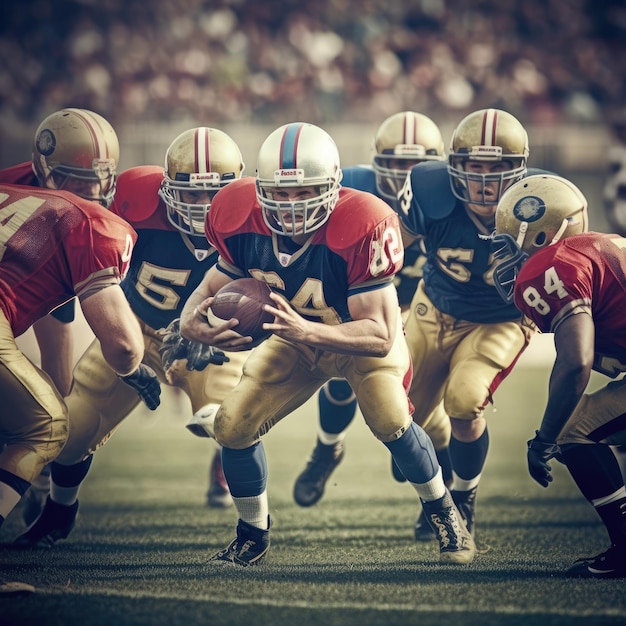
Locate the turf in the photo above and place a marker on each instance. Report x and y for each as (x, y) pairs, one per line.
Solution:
(139, 553)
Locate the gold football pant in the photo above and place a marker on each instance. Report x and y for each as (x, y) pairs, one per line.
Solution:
(33, 416)
(100, 401)
(461, 362)
(280, 376)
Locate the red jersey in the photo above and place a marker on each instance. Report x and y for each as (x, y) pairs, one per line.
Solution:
(580, 274)
(21, 174)
(358, 249)
(54, 246)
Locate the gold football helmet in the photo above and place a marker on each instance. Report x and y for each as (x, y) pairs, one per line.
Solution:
(488, 135)
(199, 162)
(297, 155)
(402, 141)
(77, 150)
(532, 214)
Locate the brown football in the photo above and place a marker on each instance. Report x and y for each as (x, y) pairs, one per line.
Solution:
(243, 299)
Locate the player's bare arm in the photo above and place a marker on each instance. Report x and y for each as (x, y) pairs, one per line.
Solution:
(370, 333)
(56, 347)
(110, 317)
(574, 342)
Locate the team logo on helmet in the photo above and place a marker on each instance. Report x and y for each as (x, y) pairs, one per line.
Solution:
(529, 209)
(46, 142)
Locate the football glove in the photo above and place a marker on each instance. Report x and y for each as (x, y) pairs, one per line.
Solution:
(198, 355)
(145, 382)
(538, 455)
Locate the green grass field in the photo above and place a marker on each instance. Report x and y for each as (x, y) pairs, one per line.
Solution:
(140, 549)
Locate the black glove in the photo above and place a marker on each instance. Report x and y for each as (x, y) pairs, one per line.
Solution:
(145, 382)
(198, 355)
(539, 453)
(174, 346)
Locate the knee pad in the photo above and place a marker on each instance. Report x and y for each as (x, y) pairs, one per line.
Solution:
(202, 422)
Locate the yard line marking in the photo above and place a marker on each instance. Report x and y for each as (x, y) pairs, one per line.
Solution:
(358, 606)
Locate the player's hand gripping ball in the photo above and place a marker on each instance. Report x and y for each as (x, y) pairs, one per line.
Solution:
(243, 299)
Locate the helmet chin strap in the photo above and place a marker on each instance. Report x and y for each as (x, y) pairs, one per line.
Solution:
(561, 230)
(521, 234)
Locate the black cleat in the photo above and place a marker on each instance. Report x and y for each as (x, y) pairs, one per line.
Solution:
(609, 564)
(466, 504)
(309, 486)
(423, 530)
(55, 522)
(456, 545)
(248, 549)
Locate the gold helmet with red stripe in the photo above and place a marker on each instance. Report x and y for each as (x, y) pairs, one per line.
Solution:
(402, 141)
(199, 162)
(491, 136)
(77, 150)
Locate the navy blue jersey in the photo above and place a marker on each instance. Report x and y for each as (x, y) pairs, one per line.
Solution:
(458, 274)
(358, 249)
(164, 269)
(363, 177)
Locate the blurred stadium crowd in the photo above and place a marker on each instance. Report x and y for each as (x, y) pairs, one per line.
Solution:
(321, 60)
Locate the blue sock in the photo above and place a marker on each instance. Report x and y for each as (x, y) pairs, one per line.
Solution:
(337, 406)
(414, 454)
(70, 475)
(245, 470)
(468, 459)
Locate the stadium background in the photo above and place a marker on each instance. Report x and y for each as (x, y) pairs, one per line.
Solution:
(156, 68)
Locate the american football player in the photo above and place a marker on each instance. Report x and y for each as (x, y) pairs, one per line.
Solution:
(572, 283)
(329, 255)
(463, 339)
(166, 207)
(55, 246)
(401, 141)
(74, 150)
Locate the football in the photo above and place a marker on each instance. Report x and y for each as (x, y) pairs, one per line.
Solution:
(243, 299)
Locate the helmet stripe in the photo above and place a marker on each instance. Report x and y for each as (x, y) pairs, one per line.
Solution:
(202, 150)
(410, 129)
(100, 146)
(490, 124)
(289, 146)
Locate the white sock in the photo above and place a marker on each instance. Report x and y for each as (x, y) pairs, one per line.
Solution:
(63, 495)
(254, 510)
(434, 489)
(460, 484)
(330, 439)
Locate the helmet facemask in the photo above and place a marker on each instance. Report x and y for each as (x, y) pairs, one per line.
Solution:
(296, 217)
(97, 183)
(189, 217)
(460, 179)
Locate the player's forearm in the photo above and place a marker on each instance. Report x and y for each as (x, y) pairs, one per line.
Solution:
(357, 338)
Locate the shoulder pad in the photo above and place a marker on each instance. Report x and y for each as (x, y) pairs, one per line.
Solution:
(430, 184)
(359, 177)
(137, 193)
(343, 230)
